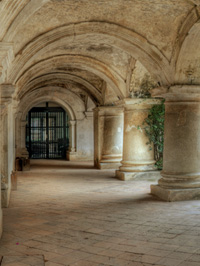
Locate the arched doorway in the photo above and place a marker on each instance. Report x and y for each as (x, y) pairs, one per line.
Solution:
(47, 132)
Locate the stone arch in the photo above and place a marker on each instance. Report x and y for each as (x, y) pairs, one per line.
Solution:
(28, 10)
(11, 11)
(70, 102)
(61, 77)
(188, 62)
(42, 99)
(118, 36)
(75, 61)
(63, 97)
(187, 24)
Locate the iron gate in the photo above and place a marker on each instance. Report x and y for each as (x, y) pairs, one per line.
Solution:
(47, 133)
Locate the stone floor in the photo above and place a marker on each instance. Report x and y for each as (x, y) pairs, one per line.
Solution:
(69, 214)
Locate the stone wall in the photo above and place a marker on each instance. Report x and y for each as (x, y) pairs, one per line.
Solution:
(85, 138)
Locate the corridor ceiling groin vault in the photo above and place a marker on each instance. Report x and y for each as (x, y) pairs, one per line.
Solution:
(90, 57)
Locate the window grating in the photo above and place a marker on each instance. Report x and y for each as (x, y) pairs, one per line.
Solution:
(47, 133)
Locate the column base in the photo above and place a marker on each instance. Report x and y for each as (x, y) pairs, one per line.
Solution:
(26, 164)
(169, 194)
(5, 195)
(112, 161)
(71, 156)
(24, 153)
(109, 165)
(146, 175)
(137, 166)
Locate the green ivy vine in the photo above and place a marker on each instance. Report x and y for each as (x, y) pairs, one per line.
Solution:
(154, 128)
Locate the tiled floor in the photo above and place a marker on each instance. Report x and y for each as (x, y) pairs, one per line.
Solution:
(70, 215)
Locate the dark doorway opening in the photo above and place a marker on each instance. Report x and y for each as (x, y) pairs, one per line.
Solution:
(47, 133)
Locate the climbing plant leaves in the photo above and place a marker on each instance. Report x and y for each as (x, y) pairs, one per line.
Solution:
(154, 128)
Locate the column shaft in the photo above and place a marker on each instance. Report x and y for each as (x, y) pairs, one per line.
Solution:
(1, 151)
(7, 56)
(8, 142)
(181, 170)
(71, 154)
(108, 124)
(137, 156)
(24, 152)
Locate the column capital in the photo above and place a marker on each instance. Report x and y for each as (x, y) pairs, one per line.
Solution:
(178, 93)
(6, 57)
(7, 91)
(88, 114)
(72, 122)
(138, 103)
(109, 110)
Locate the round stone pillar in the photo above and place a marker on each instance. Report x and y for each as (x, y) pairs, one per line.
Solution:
(181, 167)
(137, 157)
(108, 124)
(72, 154)
(73, 136)
(23, 150)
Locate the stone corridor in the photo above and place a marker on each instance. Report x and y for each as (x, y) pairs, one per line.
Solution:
(68, 214)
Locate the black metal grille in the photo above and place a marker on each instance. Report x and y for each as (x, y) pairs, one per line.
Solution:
(47, 133)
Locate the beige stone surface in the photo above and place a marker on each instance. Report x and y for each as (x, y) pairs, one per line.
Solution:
(137, 156)
(108, 136)
(73, 214)
(154, 17)
(85, 138)
(85, 43)
(37, 260)
(175, 194)
(148, 175)
(1, 222)
(86, 54)
(180, 176)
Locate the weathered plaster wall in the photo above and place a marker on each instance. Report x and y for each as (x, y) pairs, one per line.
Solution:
(85, 138)
(153, 18)
(141, 80)
(188, 67)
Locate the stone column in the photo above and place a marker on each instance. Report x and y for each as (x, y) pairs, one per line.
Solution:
(71, 155)
(23, 150)
(181, 169)
(108, 123)
(1, 149)
(73, 136)
(7, 137)
(5, 182)
(6, 58)
(138, 159)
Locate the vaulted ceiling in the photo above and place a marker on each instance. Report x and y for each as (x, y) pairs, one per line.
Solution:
(92, 47)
